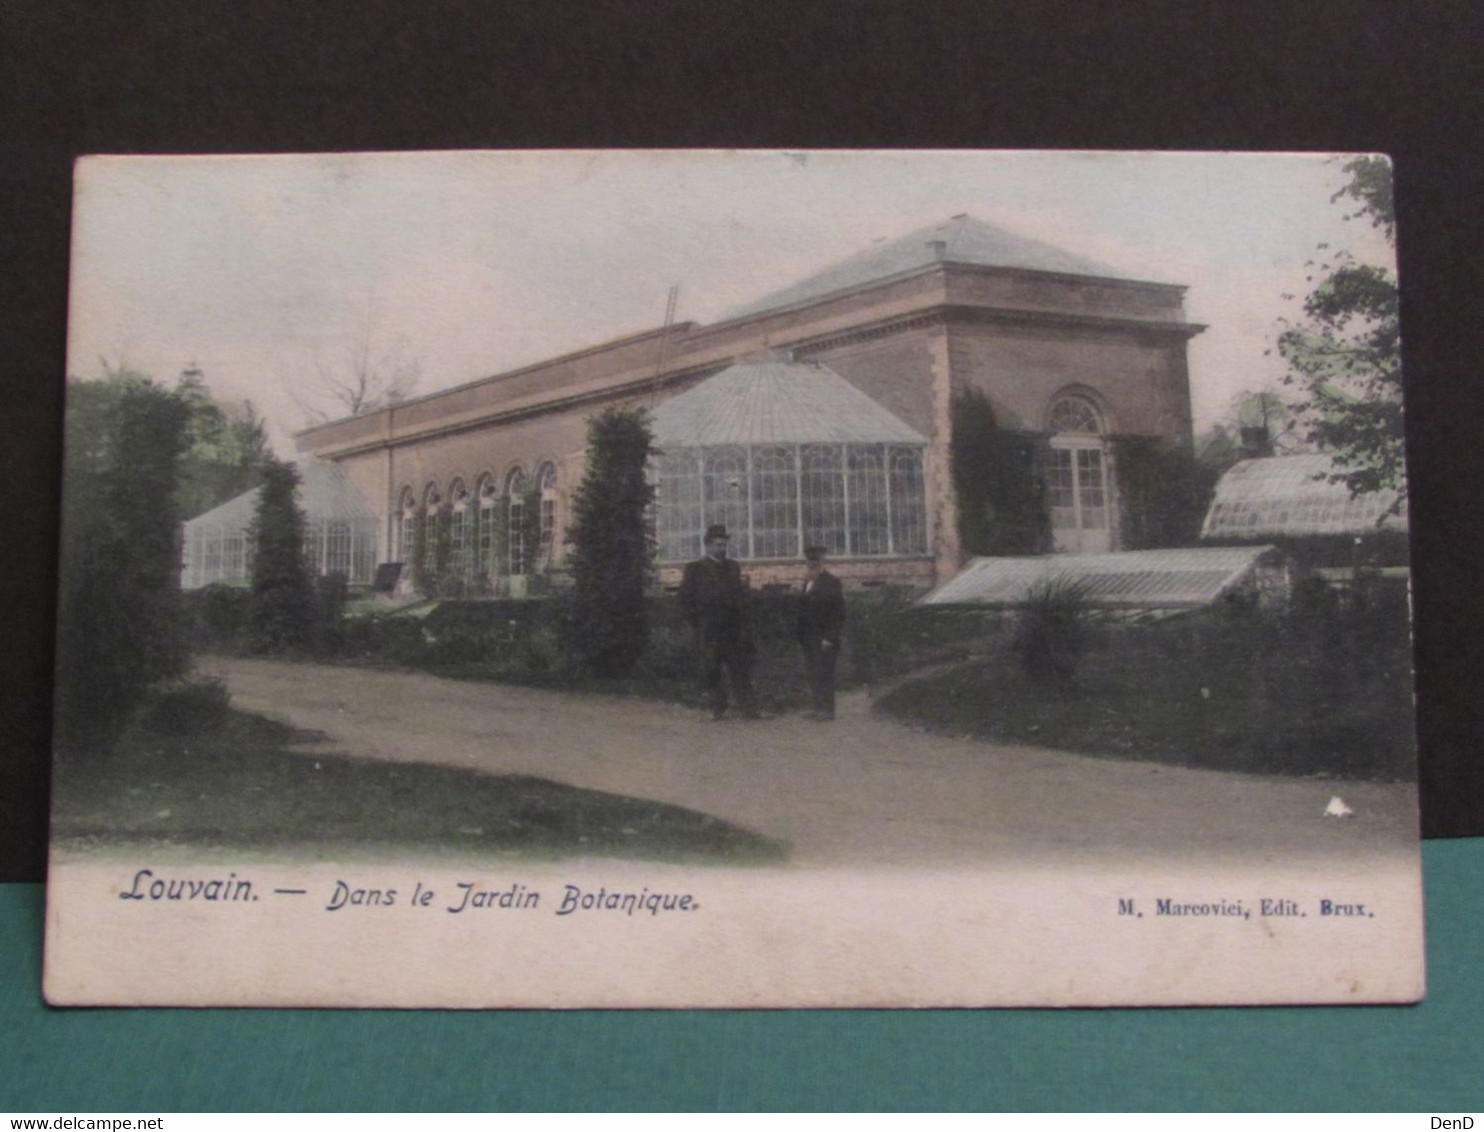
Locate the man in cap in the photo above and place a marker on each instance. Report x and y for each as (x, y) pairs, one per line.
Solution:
(821, 619)
(713, 598)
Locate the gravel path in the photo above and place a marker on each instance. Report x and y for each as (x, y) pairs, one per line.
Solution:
(861, 790)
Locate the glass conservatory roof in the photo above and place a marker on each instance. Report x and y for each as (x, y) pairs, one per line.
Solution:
(965, 239)
(1291, 496)
(325, 492)
(1140, 579)
(776, 402)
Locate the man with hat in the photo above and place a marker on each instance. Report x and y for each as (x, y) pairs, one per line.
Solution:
(713, 598)
(821, 618)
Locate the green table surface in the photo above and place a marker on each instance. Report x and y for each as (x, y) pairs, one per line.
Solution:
(1427, 1058)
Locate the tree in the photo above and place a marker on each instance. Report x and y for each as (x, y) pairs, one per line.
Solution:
(370, 373)
(1345, 356)
(283, 615)
(119, 630)
(612, 547)
(1265, 411)
(227, 448)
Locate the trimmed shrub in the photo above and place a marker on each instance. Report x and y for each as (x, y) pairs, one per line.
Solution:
(612, 559)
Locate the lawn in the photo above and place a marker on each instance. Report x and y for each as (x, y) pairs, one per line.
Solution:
(1325, 694)
(240, 783)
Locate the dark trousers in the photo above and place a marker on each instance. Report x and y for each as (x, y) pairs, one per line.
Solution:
(819, 664)
(736, 660)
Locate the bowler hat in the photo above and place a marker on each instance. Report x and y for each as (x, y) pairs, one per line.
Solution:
(716, 530)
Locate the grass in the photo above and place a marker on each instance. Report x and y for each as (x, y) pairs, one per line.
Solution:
(1297, 694)
(241, 784)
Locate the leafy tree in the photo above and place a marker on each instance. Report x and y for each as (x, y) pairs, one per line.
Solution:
(998, 483)
(227, 448)
(119, 613)
(284, 612)
(612, 547)
(1345, 356)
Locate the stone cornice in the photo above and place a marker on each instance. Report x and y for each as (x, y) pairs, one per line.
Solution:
(945, 314)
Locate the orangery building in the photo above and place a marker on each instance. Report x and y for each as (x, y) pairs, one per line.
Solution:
(819, 413)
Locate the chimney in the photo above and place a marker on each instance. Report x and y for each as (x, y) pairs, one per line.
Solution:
(940, 248)
(1255, 442)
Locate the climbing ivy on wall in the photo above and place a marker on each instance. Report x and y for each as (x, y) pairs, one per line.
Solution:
(1164, 491)
(997, 481)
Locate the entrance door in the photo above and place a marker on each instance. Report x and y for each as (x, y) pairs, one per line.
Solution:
(1077, 491)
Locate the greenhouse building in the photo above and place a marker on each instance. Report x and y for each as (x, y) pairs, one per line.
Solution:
(339, 533)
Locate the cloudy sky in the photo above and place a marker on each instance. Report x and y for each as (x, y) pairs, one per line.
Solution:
(266, 271)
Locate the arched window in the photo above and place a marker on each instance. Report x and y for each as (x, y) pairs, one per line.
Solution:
(870, 532)
(775, 503)
(908, 511)
(546, 484)
(678, 505)
(822, 493)
(1073, 413)
(460, 522)
(486, 532)
(431, 500)
(724, 493)
(1077, 488)
(406, 527)
(515, 534)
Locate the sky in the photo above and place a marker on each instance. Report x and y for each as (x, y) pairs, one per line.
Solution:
(266, 271)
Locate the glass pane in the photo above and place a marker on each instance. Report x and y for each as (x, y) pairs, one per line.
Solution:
(908, 504)
(1061, 489)
(822, 480)
(724, 493)
(775, 504)
(868, 533)
(678, 506)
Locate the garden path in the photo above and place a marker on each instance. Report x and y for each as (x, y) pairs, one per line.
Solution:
(863, 789)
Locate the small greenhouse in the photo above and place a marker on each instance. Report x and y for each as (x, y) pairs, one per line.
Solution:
(787, 455)
(339, 532)
(1294, 497)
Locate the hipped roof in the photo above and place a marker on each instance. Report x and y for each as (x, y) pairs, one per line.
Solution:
(324, 492)
(776, 402)
(964, 239)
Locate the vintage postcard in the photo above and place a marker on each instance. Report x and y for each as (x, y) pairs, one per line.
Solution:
(734, 579)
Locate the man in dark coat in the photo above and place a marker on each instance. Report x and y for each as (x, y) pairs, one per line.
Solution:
(821, 619)
(713, 598)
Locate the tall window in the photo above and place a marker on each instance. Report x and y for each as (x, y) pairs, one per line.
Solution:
(486, 537)
(431, 499)
(724, 493)
(908, 510)
(339, 546)
(678, 505)
(869, 529)
(775, 503)
(546, 483)
(515, 535)
(406, 527)
(822, 488)
(1077, 489)
(459, 523)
